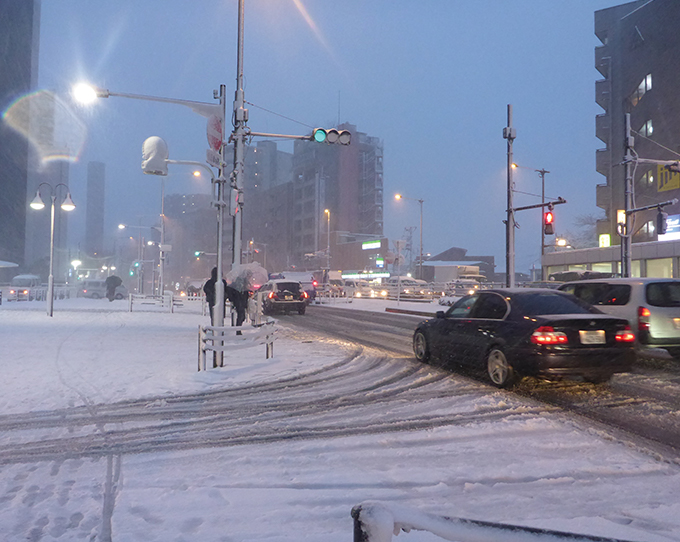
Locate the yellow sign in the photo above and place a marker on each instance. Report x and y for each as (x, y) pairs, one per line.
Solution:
(605, 240)
(667, 180)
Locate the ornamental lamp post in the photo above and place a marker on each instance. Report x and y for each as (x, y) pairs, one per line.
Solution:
(67, 205)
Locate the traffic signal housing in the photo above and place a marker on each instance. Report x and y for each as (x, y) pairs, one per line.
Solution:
(332, 136)
(661, 224)
(548, 222)
(673, 167)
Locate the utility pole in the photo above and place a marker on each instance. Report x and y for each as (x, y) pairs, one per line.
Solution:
(625, 228)
(239, 138)
(510, 134)
(542, 173)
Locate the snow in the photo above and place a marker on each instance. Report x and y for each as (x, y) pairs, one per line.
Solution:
(96, 445)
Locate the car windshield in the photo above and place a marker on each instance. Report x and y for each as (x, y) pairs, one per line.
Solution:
(536, 304)
(663, 294)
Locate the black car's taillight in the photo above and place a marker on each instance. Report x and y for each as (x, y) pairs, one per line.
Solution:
(625, 335)
(548, 336)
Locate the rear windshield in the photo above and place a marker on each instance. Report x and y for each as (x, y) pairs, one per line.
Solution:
(663, 294)
(600, 293)
(293, 287)
(549, 303)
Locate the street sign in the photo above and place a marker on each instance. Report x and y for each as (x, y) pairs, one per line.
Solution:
(214, 132)
(212, 157)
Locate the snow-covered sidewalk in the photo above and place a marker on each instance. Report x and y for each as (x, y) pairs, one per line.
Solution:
(524, 465)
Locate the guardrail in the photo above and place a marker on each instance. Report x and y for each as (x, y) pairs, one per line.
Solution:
(377, 522)
(224, 339)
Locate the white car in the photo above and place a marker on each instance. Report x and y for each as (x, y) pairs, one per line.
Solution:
(407, 287)
(358, 288)
(651, 306)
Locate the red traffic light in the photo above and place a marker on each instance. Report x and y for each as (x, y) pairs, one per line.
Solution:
(548, 227)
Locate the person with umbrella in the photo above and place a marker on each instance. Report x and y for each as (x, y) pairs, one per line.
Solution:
(112, 282)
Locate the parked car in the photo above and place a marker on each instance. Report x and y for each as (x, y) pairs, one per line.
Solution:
(511, 333)
(96, 289)
(282, 295)
(651, 306)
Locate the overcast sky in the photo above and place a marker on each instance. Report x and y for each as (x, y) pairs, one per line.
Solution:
(432, 79)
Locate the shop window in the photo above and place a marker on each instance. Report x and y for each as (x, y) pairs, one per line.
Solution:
(660, 268)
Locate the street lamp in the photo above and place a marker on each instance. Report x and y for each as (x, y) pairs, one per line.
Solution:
(67, 205)
(420, 201)
(328, 245)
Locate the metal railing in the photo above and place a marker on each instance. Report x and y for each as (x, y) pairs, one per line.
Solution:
(377, 522)
(229, 339)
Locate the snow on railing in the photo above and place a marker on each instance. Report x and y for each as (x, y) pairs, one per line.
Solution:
(378, 522)
(230, 338)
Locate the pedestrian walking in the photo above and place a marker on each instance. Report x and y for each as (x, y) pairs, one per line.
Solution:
(210, 294)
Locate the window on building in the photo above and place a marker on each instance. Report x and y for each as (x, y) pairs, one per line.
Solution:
(660, 268)
(647, 129)
(643, 87)
(647, 179)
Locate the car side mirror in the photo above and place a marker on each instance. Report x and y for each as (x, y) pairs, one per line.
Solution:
(441, 314)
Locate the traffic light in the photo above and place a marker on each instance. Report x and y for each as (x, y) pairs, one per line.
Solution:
(321, 135)
(548, 225)
(197, 253)
(661, 223)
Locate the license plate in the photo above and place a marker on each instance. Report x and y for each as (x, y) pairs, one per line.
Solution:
(289, 297)
(592, 336)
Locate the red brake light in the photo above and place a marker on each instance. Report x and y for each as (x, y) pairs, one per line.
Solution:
(625, 335)
(643, 318)
(271, 295)
(548, 335)
(305, 295)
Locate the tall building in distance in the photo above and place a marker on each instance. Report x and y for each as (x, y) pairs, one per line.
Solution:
(19, 39)
(94, 213)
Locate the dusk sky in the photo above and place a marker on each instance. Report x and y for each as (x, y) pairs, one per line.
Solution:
(432, 79)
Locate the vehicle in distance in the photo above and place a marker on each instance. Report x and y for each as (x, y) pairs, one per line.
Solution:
(406, 287)
(96, 289)
(512, 333)
(281, 295)
(20, 287)
(358, 288)
(651, 306)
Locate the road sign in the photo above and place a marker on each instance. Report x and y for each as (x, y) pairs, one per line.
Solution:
(212, 157)
(214, 132)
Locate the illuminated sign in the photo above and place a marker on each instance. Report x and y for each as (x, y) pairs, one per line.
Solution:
(367, 276)
(605, 240)
(672, 229)
(370, 245)
(667, 180)
(380, 263)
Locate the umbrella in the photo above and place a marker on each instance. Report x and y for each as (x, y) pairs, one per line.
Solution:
(249, 276)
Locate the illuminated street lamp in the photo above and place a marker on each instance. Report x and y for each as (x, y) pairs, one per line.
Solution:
(67, 205)
(420, 201)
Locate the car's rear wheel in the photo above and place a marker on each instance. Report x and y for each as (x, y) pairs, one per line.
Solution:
(420, 347)
(119, 296)
(499, 369)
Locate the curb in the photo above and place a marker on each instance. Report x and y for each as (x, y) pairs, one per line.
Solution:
(406, 311)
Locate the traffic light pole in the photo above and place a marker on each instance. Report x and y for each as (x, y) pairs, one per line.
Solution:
(625, 228)
(510, 134)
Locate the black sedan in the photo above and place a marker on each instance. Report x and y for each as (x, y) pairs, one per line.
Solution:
(527, 332)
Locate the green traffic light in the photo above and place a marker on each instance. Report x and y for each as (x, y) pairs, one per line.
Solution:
(132, 273)
(319, 135)
(197, 253)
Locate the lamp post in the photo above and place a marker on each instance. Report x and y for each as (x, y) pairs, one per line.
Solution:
(87, 94)
(328, 244)
(67, 205)
(420, 201)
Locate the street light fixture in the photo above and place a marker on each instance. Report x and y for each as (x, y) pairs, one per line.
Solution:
(420, 201)
(67, 205)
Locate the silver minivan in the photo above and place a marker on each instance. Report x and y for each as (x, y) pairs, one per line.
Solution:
(651, 306)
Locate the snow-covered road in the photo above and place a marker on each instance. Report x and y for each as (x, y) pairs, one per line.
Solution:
(108, 432)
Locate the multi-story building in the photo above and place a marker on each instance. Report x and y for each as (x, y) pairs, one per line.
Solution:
(638, 61)
(19, 38)
(345, 180)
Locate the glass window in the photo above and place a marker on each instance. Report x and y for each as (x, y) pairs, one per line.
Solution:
(663, 294)
(463, 307)
(647, 129)
(647, 179)
(491, 306)
(661, 267)
(535, 304)
(644, 86)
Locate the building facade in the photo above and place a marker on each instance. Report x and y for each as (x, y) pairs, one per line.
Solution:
(639, 60)
(19, 39)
